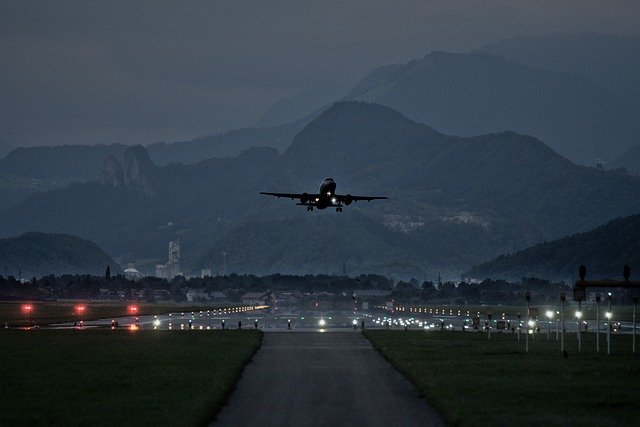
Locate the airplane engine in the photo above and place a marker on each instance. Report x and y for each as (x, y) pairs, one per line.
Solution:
(304, 199)
(348, 199)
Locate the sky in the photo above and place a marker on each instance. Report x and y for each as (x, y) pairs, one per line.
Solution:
(89, 72)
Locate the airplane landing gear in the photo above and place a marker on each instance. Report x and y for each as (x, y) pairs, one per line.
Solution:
(309, 208)
(338, 209)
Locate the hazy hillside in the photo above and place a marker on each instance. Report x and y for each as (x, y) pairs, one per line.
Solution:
(5, 147)
(470, 94)
(612, 61)
(15, 188)
(80, 162)
(39, 254)
(604, 250)
(630, 160)
(228, 144)
(84, 162)
(454, 201)
(292, 108)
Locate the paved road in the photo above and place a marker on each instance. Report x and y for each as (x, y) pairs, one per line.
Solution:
(316, 379)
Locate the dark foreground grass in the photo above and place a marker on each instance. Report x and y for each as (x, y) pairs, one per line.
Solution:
(104, 377)
(473, 382)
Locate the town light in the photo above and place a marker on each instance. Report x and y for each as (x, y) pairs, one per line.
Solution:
(579, 314)
(322, 322)
(608, 315)
(550, 314)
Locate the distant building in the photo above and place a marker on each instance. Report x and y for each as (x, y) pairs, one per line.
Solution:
(205, 273)
(371, 293)
(196, 295)
(172, 268)
(257, 298)
(132, 273)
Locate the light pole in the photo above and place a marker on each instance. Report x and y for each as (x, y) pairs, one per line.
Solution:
(598, 322)
(609, 315)
(80, 309)
(527, 299)
(26, 310)
(549, 316)
(635, 306)
(579, 317)
(563, 299)
(557, 325)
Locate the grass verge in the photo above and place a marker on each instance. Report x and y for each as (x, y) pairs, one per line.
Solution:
(473, 381)
(104, 377)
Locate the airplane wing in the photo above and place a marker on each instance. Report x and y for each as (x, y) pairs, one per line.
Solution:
(348, 198)
(285, 195)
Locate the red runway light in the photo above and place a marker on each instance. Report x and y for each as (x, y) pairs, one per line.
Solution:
(80, 309)
(27, 308)
(133, 309)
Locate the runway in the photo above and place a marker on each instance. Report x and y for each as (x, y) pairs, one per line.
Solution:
(323, 379)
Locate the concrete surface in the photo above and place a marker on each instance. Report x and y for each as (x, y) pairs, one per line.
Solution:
(323, 379)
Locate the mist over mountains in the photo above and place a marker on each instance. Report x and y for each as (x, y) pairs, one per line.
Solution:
(454, 201)
(611, 61)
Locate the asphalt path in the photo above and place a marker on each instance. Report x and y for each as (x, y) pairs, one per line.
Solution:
(323, 378)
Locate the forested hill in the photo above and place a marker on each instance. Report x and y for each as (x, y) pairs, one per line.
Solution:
(38, 254)
(604, 250)
(453, 201)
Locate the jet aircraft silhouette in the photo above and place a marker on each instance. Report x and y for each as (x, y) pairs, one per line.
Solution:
(325, 197)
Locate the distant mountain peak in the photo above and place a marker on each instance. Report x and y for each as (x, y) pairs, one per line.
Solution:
(112, 173)
(137, 174)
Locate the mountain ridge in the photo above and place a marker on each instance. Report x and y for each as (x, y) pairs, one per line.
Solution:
(604, 250)
(36, 254)
(454, 201)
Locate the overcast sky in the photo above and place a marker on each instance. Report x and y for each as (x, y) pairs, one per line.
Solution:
(88, 72)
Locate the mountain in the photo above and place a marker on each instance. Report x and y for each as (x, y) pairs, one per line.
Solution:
(15, 188)
(39, 254)
(291, 108)
(77, 162)
(612, 61)
(453, 201)
(604, 250)
(470, 94)
(630, 160)
(227, 144)
(5, 147)
(80, 163)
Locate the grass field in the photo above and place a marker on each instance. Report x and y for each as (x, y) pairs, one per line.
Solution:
(50, 312)
(104, 377)
(473, 381)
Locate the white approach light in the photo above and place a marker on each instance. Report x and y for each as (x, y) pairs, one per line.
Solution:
(333, 200)
(532, 323)
(355, 321)
(608, 315)
(578, 314)
(550, 314)
(322, 322)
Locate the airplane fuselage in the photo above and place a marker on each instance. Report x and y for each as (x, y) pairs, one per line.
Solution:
(325, 194)
(326, 197)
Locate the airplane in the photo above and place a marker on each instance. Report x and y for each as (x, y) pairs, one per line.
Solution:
(326, 197)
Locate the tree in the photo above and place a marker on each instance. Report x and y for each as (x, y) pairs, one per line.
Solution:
(107, 273)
